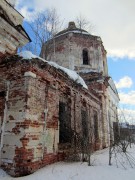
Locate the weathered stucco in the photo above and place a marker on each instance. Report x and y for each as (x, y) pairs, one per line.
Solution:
(44, 115)
(12, 34)
(68, 49)
(31, 133)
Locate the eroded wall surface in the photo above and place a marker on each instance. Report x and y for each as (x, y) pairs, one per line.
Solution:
(31, 120)
(69, 52)
(12, 34)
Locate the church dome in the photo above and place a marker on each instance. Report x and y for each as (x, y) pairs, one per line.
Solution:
(72, 28)
(76, 49)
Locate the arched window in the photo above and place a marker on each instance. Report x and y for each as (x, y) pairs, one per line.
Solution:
(85, 57)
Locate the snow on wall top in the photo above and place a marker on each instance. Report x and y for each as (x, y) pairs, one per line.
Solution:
(73, 31)
(72, 74)
(27, 55)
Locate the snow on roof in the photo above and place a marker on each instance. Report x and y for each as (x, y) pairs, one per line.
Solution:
(72, 74)
(73, 31)
(29, 55)
(80, 32)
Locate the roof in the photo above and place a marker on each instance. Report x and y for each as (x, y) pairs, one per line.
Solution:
(70, 73)
(23, 32)
(11, 3)
(71, 27)
(7, 17)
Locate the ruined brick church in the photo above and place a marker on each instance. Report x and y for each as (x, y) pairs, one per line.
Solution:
(52, 110)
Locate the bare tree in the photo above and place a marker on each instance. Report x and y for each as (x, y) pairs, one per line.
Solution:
(83, 23)
(44, 26)
(120, 142)
(87, 141)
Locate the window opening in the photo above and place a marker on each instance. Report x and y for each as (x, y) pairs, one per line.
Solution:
(2, 94)
(116, 131)
(85, 57)
(96, 126)
(65, 123)
(84, 123)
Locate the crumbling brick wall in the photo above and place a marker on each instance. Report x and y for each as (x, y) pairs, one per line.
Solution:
(31, 130)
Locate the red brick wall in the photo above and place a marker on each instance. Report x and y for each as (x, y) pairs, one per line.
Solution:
(36, 135)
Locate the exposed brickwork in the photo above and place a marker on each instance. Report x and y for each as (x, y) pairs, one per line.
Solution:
(33, 114)
(36, 99)
(69, 48)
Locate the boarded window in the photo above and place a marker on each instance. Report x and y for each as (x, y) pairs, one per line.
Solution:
(96, 126)
(65, 123)
(84, 124)
(85, 57)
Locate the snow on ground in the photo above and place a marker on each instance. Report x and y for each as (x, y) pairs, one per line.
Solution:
(81, 171)
(72, 74)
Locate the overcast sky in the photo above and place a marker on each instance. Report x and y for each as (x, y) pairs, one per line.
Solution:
(114, 22)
